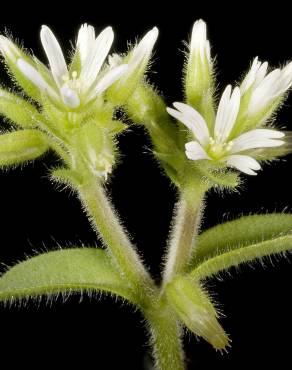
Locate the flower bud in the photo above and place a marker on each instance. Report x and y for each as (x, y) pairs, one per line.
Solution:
(199, 78)
(21, 146)
(18, 110)
(95, 145)
(196, 311)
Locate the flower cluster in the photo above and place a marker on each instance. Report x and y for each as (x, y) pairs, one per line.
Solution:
(74, 114)
(240, 124)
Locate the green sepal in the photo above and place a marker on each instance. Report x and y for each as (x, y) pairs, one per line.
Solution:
(195, 309)
(18, 110)
(64, 271)
(244, 231)
(21, 146)
(214, 175)
(66, 176)
(245, 254)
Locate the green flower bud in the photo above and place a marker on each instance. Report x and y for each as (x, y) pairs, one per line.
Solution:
(18, 110)
(199, 71)
(196, 311)
(96, 147)
(21, 146)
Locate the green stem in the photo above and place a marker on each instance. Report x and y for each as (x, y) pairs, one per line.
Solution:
(187, 219)
(106, 223)
(165, 339)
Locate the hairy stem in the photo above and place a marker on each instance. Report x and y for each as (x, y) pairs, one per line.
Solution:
(183, 235)
(106, 223)
(165, 340)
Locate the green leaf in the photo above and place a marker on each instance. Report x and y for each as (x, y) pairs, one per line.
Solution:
(235, 257)
(244, 231)
(21, 146)
(64, 271)
(18, 110)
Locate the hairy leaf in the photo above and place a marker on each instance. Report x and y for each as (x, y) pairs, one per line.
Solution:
(248, 253)
(64, 271)
(244, 231)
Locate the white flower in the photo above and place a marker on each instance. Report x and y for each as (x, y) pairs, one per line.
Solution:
(265, 88)
(76, 87)
(199, 43)
(217, 145)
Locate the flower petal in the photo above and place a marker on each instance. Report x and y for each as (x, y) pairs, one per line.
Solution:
(244, 164)
(259, 138)
(8, 49)
(199, 42)
(54, 55)
(35, 77)
(142, 52)
(85, 41)
(265, 92)
(227, 113)
(108, 79)
(255, 75)
(69, 96)
(194, 151)
(193, 120)
(96, 56)
(250, 77)
(286, 78)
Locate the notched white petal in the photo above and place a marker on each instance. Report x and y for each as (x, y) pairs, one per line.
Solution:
(259, 138)
(194, 151)
(227, 113)
(85, 41)
(54, 54)
(142, 52)
(244, 163)
(96, 56)
(35, 77)
(106, 81)
(195, 122)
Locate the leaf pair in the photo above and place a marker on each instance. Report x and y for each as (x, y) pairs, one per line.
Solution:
(91, 270)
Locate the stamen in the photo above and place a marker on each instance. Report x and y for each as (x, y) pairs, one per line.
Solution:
(74, 75)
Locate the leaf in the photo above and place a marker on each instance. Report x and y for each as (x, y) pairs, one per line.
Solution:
(248, 253)
(244, 231)
(21, 146)
(64, 271)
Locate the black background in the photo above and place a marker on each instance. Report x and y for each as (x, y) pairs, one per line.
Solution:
(34, 216)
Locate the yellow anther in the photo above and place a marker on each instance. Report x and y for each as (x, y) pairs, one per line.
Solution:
(74, 75)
